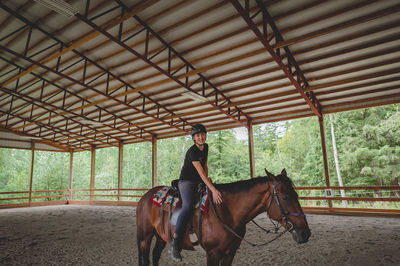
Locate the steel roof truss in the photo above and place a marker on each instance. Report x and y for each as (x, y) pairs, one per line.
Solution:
(72, 80)
(145, 58)
(294, 76)
(40, 124)
(36, 102)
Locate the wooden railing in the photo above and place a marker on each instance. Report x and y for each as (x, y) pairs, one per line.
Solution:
(117, 196)
(371, 197)
(68, 196)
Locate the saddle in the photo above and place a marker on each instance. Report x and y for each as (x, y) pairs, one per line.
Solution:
(169, 200)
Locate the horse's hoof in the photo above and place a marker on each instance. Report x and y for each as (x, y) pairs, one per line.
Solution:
(175, 255)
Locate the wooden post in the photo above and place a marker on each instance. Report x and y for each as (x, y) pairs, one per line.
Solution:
(324, 155)
(154, 161)
(71, 162)
(92, 172)
(120, 168)
(31, 171)
(251, 149)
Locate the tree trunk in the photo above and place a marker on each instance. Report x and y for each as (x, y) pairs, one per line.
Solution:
(279, 151)
(335, 155)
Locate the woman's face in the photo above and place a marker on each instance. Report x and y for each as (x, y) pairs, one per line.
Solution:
(200, 138)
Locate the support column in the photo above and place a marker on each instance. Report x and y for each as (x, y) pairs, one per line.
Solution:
(92, 172)
(154, 161)
(251, 149)
(31, 171)
(120, 167)
(71, 162)
(324, 155)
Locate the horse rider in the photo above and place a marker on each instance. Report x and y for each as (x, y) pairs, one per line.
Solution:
(194, 171)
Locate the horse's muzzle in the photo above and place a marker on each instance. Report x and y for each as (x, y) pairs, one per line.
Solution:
(301, 235)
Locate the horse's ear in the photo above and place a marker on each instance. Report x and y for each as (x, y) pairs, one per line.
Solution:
(284, 172)
(268, 173)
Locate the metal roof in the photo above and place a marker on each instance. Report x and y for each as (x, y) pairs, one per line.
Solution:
(110, 72)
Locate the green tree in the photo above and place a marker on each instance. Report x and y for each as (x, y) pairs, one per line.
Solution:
(50, 172)
(368, 144)
(228, 158)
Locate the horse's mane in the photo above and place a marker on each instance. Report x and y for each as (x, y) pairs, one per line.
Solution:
(247, 184)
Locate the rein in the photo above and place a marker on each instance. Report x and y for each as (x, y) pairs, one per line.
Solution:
(283, 213)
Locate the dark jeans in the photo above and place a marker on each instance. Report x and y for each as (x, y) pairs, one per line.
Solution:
(187, 190)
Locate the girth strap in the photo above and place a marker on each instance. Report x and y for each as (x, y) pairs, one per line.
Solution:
(199, 219)
(169, 219)
(162, 216)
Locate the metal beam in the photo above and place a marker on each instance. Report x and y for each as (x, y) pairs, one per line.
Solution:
(64, 112)
(299, 84)
(88, 37)
(110, 74)
(166, 72)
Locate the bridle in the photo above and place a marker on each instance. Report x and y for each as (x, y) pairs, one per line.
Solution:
(284, 214)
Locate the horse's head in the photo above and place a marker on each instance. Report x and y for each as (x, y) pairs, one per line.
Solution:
(283, 206)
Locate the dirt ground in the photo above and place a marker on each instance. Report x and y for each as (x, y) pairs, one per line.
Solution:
(106, 235)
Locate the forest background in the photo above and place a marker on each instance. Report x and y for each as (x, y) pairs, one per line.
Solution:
(367, 140)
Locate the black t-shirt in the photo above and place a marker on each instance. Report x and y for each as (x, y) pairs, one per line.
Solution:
(194, 154)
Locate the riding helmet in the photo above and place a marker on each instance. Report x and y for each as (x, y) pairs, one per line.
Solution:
(198, 128)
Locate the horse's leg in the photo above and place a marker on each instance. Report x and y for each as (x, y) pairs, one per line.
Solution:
(228, 258)
(145, 230)
(144, 243)
(158, 248)
(213, 258)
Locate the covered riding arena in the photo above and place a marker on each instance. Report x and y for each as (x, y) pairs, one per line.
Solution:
(106, 235)
(80, 77)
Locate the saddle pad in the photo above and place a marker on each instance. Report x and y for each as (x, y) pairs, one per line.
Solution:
(162, 196)
(204, 202)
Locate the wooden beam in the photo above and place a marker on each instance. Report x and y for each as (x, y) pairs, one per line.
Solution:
(154, 161)
(92, 172)
(120, 168)
(71, 163)
(251, 149)
(31, 172)
(324, 155)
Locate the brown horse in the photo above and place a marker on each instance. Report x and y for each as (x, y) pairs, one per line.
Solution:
(222, 230)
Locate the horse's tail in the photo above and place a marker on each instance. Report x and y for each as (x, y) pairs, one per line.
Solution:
(143, 222)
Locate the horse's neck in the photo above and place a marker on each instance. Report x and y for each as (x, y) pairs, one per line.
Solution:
(244, 206)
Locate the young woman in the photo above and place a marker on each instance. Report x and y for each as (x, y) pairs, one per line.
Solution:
(193, 172)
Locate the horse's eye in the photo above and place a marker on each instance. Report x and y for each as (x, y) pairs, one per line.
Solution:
(285, 197)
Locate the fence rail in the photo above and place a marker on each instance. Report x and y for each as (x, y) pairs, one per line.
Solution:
(123, 199)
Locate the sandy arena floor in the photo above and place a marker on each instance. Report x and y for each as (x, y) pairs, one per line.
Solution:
(106, 235)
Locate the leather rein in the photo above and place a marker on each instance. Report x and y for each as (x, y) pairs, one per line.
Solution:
(277, 225)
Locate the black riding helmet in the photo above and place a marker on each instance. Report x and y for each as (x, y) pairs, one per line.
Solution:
(198, 128)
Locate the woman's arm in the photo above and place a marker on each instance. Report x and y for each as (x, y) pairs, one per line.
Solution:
(202, 172)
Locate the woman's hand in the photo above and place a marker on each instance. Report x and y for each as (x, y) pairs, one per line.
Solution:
(217, 197)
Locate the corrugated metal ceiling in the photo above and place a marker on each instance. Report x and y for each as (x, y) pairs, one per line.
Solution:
(126, 71)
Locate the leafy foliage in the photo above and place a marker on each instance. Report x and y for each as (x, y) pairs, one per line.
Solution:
(368, 143)
(50, 173)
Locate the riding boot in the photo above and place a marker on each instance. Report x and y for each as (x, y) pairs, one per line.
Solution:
(176, 249)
